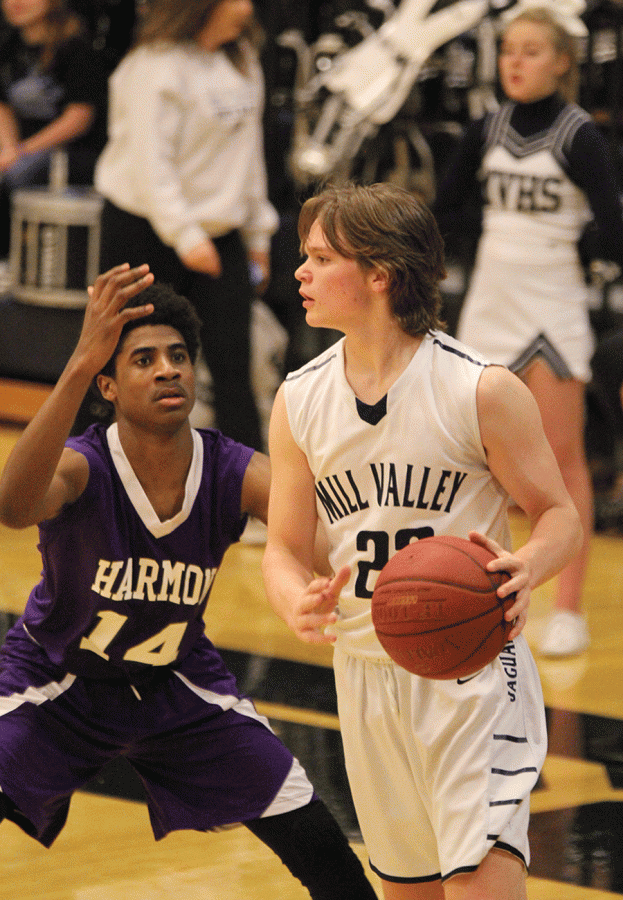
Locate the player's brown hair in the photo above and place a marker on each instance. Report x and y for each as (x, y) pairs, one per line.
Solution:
(386, 227)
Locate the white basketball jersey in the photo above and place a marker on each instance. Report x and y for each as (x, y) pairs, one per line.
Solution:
(532, 208)
(409, 467)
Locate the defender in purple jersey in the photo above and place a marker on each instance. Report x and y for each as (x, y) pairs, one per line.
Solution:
(110, 657)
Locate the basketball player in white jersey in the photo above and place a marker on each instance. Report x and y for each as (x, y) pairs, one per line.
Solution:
(394, 433)
(545, 171)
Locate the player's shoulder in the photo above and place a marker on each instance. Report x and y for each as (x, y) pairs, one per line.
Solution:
(502, 396)
(581, 129)
(445, 348)
(96, 447)
(575, 113)
(573, 126)
(82, 477)
(320, 367)
(156, 66)
(220, 453)
(91, 444)
(212, 438)
(498, 379)
(452, 374)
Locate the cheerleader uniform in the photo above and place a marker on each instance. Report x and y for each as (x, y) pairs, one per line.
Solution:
(545, 173)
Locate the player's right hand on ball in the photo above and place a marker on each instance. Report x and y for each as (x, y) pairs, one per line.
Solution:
(518, 583)
(317, 608)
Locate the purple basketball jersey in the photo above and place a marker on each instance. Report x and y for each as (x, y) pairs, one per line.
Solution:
(122, 591)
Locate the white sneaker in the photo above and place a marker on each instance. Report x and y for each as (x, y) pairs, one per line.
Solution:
(254, 532)
(566, 634)
(5, 276)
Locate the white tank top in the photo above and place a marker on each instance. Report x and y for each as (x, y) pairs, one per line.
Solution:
(411, 466)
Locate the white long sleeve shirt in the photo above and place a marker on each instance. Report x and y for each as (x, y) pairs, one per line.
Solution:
(185, 146)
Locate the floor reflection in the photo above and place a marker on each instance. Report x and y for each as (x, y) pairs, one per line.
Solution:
(577, 819)
(580, 845)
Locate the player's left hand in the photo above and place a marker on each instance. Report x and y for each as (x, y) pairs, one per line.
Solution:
(316, 608)
(518, 583)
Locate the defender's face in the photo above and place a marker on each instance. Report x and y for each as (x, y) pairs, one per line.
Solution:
(154, 381)
(335, 289)
(529, 64)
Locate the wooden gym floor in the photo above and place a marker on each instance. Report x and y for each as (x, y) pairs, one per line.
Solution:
(107, 850)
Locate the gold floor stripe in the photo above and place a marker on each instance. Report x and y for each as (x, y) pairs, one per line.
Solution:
(20, 400)
(297, 715)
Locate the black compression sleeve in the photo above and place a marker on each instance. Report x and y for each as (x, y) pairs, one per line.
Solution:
(312, 845)
(592, 168)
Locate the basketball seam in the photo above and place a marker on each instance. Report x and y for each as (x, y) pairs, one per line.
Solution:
(442, 672)
(474, 651)
(430, 581)
(444, 627)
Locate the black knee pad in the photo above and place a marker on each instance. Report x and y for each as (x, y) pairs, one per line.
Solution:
(312, 845)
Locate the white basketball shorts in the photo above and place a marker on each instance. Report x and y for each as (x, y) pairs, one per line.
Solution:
(441, 771)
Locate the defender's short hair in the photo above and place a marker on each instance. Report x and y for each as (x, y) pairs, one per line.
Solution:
(170, 308)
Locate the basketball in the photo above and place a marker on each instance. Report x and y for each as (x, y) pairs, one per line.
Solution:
(435, 608)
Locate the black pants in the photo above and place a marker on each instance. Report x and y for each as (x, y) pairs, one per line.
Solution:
(223, 304)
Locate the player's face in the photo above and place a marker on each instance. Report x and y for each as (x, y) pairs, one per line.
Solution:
(25, 13)
(154, 382)
(335, 289)
(225, 24)
(529, 64)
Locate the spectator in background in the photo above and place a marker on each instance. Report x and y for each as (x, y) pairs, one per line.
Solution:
(52, 94)
(183, 177)
(112, 24)
(545, 171)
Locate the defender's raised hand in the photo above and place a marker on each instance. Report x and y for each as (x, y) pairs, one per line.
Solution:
(106, 312)
(41, 474)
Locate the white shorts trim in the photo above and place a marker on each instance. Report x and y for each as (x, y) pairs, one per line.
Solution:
(297, 790)
(441, 772)
(36, 695)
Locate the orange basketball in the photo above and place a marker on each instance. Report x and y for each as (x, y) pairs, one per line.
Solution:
(436, 611)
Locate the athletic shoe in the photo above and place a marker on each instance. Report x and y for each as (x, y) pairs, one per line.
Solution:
(566, 634)
(5, 277)
(254, 533)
